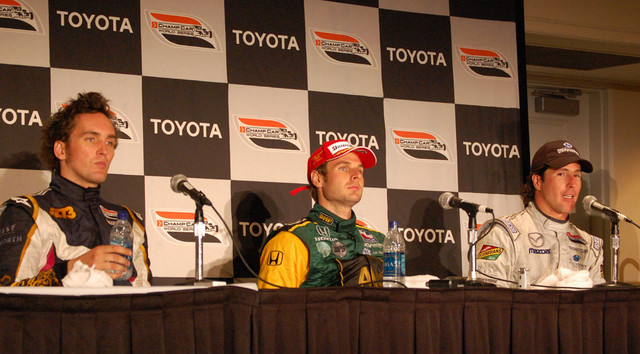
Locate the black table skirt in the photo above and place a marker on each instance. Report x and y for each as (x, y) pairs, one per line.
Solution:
(329, 320)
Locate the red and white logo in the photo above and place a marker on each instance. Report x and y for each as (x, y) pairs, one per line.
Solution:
(178, 226)
(182, 31)
(485, 63)
(268, 133)
(19, 16)
(342, 48)
(126, 130)
(421, 145)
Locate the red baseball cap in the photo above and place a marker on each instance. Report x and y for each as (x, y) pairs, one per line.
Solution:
(335, 149)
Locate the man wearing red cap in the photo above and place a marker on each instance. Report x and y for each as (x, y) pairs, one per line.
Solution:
(327, 247)
(540, 238)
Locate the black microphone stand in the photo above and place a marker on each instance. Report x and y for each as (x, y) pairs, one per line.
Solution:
(615, 247)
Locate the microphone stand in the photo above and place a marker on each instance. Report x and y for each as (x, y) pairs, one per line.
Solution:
(472, 234)
(615, 247)
(199, 229)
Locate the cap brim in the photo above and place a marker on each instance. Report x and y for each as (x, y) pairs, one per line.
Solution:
(366, 155)
(585, 165)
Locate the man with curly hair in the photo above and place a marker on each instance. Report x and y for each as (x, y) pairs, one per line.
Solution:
(43, 235)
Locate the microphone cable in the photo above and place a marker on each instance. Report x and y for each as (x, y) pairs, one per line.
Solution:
(244, 261)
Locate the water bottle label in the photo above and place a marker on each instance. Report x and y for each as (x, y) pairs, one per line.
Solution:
(128, 243)
(394, 264)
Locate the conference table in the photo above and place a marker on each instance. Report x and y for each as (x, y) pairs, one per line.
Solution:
(240, 319)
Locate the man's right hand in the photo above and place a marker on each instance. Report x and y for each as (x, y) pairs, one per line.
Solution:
(110, 258)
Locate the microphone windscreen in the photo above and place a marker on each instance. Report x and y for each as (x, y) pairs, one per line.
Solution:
(588, 201)
(176, 180)
(444, 200)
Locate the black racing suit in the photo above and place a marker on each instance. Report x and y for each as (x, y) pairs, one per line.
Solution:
(40, 233)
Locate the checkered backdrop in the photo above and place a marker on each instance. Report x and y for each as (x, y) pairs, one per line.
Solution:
(236, 94)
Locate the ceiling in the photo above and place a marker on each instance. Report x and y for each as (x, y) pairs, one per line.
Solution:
(584, 43)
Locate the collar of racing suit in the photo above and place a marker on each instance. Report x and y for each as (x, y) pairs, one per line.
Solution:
(323, 216)
(74, 191)
(547, 222)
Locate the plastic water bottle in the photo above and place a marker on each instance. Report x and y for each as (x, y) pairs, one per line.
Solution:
(393, 249)
(121, 236)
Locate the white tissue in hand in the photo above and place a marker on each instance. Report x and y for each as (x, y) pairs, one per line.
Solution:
(563, 277)
(83, 276)
(579, 279)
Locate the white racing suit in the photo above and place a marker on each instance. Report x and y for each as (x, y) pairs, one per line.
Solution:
(530, 239)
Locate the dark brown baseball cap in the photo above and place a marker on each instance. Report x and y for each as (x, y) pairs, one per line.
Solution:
(556, 154)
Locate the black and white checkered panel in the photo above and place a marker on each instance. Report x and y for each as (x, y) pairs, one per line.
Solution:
(236, 94)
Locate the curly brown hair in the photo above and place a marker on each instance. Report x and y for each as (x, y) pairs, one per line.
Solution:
(62, 123)
(528, 191)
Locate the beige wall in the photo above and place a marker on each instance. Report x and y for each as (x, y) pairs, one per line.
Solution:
(607, 27)
(624, 110)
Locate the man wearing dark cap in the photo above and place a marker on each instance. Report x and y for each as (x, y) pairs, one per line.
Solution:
(540, 238)
(327, 247)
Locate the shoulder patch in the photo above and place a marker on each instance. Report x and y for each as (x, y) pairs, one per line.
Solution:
(490, 253)
(511, 227)
(507, 225)
(24, 201)
(597, 243)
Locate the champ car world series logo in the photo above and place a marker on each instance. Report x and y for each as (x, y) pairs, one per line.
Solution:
(268, 134)
(182, 31)
(421, 145)
(485, 63)
(126, 130)
(19, 16)
(342, 48)
(178, 226)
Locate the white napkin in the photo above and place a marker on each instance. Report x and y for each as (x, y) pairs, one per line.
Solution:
(83, 276)
(418, 281)
(563, 277)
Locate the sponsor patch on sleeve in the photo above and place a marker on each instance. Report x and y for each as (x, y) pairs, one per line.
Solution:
(490, 253)
(597, 243)
(512, 227)
(275, 258)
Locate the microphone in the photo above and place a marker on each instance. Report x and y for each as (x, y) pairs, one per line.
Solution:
(180, 184)
(448, 200)
(590, 202)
